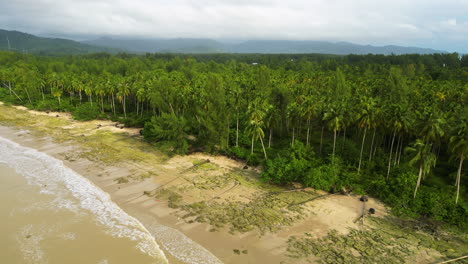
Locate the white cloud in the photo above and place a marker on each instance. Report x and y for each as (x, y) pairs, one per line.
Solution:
(361, 21)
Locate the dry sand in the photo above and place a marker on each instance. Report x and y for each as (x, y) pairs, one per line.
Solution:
(322, 215)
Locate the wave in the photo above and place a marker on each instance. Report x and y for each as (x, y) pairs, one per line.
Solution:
(56, 179)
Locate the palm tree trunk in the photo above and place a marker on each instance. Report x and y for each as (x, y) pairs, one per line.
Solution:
(362, 149)
(263, 146)
(142, 108)
(29, 98)
(125, 111)
(334, 142)
(251, 150)
(459, 176)
(292, 142)
(390, 155)
(113, 103)
(419, 181)
(237, 130)
(269, 139)
(372, 144)
(137, 108)
(397, 151)
(377, 143)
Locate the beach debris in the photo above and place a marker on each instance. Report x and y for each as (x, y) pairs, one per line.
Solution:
(141, 132)
(208, 161)
(363, 199)
(118, 125)
(57, 116)
(371, 211)
(245, 167)
(236, 251)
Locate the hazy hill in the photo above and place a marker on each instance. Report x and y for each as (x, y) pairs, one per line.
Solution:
(252, 46)
(179, 45)
(307, 46)
(23, 42)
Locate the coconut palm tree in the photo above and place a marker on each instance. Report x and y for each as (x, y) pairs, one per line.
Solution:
(459, 147)
(366, 120)
(423, 158)
(257, 112)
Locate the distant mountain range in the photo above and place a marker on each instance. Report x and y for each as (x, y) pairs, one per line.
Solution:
(27, 43)
(182, 45)
(24, 42)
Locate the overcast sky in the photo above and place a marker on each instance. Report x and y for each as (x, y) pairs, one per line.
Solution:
(440, 24)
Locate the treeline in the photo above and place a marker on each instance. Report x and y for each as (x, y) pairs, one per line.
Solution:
(391, 126)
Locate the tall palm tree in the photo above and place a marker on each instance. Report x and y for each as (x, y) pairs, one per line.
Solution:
(257, 112)
(334, 121)
(123, 91)
(459, 147)
(366, 120)
(423, 158)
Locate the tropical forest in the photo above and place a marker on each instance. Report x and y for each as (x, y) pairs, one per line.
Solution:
(392, 127)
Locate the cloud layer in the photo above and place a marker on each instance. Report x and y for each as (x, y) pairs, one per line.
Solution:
(441, 24)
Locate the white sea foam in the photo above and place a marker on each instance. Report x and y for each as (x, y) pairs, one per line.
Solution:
(30, 245)
(55, 179)
(182, 247)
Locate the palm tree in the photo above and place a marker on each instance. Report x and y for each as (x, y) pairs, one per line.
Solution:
(123, 91)
(366, 120)
(334, 121)
(257, 112)
(423, 158)
(459, 148)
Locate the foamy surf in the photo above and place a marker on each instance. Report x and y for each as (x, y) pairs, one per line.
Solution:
(72, 192)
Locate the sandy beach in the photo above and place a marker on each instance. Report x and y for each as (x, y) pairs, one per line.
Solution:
(165, 193)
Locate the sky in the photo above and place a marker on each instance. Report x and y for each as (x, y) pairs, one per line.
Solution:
(441, 24)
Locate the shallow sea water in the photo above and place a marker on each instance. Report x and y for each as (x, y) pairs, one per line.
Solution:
(50, 214)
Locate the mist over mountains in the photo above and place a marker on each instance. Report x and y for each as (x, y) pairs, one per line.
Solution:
(185, 45)
(23, 42)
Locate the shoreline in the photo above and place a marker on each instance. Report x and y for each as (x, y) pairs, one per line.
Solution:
(101, 176)
(132, 169)
(129, 197)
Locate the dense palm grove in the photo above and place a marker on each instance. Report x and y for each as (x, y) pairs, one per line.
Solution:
(394, 127)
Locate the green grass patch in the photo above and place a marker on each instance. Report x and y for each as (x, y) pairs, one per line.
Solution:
(388, 241)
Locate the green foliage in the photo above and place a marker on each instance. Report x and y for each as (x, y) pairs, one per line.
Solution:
(85, 112)
(168, 128)
(291, 165)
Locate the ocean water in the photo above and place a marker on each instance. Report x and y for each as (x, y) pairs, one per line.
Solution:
(50, 214)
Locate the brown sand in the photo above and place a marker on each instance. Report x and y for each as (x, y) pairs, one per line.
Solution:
(331, 212)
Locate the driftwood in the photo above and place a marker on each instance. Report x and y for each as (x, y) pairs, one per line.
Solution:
(452, 260)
